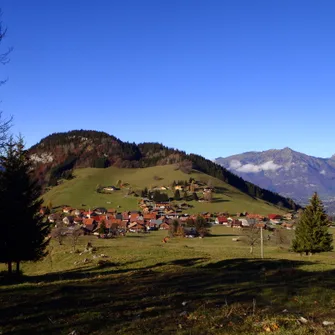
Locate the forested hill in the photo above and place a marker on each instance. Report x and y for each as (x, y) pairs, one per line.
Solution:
(58, 154)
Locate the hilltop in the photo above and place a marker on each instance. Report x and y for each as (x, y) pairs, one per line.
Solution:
(59, 156)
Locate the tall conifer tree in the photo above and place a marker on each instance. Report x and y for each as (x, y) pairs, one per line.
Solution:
(23, 230)
(311, 235)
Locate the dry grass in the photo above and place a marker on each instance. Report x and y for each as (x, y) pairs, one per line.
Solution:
(186, 286)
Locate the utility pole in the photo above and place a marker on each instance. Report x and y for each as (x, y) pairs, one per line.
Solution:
(262, 246)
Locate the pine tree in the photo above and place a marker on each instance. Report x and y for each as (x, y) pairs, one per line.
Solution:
(102, 228)
(173, 228)
(49, 206)
(24, 234)
(176, 195)
(311, 235)
(192, 186)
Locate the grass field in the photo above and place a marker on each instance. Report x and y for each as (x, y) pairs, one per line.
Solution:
(82, 190)
(186, 286)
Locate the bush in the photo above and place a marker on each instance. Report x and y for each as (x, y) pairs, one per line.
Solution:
(103, 263)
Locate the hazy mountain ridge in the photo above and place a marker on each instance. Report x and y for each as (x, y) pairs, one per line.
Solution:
(287, 172)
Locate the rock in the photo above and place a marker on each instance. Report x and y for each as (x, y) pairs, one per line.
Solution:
(285, 311)
(302, 320)
(184, 313)
(184, 303)
(328, 323)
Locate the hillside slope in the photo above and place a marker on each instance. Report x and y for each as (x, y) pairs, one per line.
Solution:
(58, 154)
(82, 190)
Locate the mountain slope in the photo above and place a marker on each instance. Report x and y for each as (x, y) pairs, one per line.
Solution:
(287, 172)
(58, 154)
(82, 190)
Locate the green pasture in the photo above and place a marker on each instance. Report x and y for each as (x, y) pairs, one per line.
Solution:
(82, 190)
(185, 286)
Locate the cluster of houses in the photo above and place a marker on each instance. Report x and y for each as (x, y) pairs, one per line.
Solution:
(154, 216)
(257, 220)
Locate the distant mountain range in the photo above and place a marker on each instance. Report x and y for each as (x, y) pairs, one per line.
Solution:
(287, 172)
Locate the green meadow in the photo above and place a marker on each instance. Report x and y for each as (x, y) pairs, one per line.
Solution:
(82, 190)
(138, 285)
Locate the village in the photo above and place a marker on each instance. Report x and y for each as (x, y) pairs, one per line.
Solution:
(159, 215)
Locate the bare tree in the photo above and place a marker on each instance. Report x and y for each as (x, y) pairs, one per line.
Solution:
(252, 237)
(59, 233)
(281, 238)
(5, 124)
(76, 233)
(208, 195)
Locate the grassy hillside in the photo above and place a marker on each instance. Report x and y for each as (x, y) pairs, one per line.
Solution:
(186, 286)
(82, 190)
(58, 154)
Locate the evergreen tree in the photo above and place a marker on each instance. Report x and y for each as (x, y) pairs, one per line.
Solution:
(160, 197)
(176, 195)
(195, 196)
(202, 226)
(311, 235)
(24, 234)
(102, 228)
(173, 228)
(192, 187)
(49, 206)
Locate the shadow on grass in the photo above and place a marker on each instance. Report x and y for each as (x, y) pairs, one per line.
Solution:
(112, 301)
(222, 235)
(135, 236)
(219, 200)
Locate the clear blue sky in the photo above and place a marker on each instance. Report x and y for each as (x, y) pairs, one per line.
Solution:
(210, 77)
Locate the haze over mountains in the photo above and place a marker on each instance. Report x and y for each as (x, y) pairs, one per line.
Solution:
(287, 172)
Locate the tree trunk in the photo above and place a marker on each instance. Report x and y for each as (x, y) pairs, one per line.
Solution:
(9, 268)
(18, 267)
